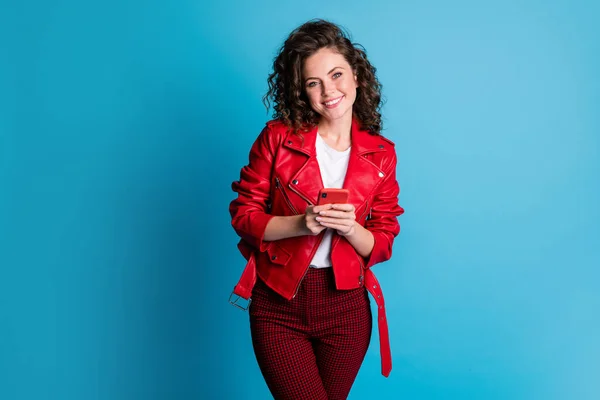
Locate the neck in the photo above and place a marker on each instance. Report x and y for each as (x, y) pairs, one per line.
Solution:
(336, 130)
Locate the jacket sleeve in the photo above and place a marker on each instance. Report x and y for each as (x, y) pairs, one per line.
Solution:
(383, 223)
(249, 214)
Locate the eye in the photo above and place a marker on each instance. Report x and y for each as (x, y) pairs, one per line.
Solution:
(311, 84)
(337, 75)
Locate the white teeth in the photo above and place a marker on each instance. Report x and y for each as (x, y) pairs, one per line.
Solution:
(332, 102)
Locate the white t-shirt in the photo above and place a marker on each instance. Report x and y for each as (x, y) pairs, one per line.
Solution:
(333, 165)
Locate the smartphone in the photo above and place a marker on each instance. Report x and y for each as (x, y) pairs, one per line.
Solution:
(333, 196)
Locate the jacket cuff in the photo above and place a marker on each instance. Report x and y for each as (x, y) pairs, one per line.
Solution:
(382, 250)
(254, 231)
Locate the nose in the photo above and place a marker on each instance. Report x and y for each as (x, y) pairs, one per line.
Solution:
(327, 87)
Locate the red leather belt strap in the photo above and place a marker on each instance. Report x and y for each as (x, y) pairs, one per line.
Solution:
(384, 336)
(247, 281)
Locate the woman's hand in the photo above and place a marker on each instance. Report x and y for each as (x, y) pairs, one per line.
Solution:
(310, 219)
(340, 217)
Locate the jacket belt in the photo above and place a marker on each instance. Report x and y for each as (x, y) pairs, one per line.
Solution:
(247, 281)
(384, 335)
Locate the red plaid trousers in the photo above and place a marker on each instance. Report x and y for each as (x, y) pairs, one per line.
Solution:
(310, 347)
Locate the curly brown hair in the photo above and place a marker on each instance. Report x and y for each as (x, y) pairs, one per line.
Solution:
(286, 89)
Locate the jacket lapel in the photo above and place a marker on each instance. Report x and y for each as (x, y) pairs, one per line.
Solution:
(362, 175)
(306, 181)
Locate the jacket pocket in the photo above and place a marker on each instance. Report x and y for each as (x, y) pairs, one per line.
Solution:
(278, 255)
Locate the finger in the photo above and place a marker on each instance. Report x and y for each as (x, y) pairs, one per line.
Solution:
(343, 207)
(313, 221)
(337, 214)
(318, 209)
(339, 227)
(337, 221)
(310, 214)
(318, 228)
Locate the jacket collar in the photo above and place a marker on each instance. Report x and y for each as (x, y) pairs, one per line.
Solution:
(361, 176)
(363, 142)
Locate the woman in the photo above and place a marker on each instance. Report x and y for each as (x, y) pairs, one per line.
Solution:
(308, 264)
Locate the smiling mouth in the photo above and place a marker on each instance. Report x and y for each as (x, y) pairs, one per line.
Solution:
(333, 102)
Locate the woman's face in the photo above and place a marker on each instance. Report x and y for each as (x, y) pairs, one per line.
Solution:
(330, 84)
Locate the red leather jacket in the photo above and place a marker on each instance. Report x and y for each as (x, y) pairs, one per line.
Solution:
(283, 178)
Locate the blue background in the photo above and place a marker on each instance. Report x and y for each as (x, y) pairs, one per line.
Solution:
(123, 123)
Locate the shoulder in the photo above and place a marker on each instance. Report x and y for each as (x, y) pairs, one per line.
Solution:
(386, 140)
(370, 138)
(384, 145)
(388, 155)
(273, 134)
(274, 131)
(382, 140)
(387, 145)
(277, 127)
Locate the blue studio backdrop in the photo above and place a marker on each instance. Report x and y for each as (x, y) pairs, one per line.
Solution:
(123, 124)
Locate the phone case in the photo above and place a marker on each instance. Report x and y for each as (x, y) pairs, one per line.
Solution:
(333, 196)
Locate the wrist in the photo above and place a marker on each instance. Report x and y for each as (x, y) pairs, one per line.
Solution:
(353, 230)
(301, 225)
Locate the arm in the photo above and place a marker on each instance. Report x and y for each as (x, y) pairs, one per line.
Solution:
(249, 216)
(383, 223)
(296, 225)
(362, 240)
(285, 227)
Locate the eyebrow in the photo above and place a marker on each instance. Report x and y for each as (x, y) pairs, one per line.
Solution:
(333, 69)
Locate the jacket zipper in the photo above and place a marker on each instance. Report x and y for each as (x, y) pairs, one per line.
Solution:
(364, 212)
(287, 200)
(301, 195)
(312, 254)
(279, 187)
(361, 277)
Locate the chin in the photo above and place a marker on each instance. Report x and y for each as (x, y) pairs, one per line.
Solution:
(336, 114)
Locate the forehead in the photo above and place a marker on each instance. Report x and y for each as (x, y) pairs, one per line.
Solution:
(323, 61)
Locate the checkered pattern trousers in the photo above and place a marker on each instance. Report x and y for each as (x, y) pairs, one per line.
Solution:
(310, 347)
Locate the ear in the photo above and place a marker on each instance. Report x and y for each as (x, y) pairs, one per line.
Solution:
(355, 80)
